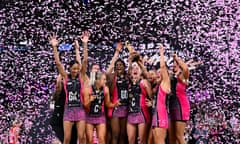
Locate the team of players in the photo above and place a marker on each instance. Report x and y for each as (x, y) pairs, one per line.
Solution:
(122, 105)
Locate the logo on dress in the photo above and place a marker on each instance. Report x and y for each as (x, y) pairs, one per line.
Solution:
(130, 95)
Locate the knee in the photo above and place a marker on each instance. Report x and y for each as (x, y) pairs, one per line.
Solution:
(82, 136)
(89, 139)
(101, 139)
(142, 140)
(131, 137)
(67, 139)
(82, 139)
(115, 135)
(123, 134)
(179, 136)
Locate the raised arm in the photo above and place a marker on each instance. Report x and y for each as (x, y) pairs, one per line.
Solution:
(115, 57)
(192, 65)
(107, 100)
(59, 83)
(54, 42)
(76, 45)
(183, 65)
(129, 64)
(165, 77)
(143, 68)
(58, 88)
(137, 58)
(133, 55)
(85, 38)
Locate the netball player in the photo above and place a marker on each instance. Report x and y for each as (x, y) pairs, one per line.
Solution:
(160, 115)
(118, 84)
(73, 86)
(96, 96)
(179, 104)
(57, 116)
(138, 113)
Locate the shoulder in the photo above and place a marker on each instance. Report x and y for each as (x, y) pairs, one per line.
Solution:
(106, 89)
(110, 74)
(144, 82)
(87, 89)
(65, 78)
(84, 78)
(182, 79)
(166, 89)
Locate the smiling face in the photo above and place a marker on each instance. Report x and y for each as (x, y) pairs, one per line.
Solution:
(101, 79)
(152, 76)
(74, 70)
(95, 68)
(119, 67)
(159, 76)
(176, 67)
(136, 71)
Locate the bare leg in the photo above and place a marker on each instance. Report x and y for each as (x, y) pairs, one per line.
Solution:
(109, 132)
(101, 133)
(67, 127)
(131, 132)
(159, 135)
(180, 127)
(115, 130)
(150, 136)
(81, 125)
(89, 133)
(171, 133)
(142, 132)
(123, 134)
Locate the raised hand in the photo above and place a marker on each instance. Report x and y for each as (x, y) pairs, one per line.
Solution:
(119, 46)
(53, 40)
(85, 36)
(161, 48)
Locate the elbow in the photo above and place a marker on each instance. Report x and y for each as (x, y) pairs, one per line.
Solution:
(84, 102)
(185, 69)
(86, 105)
(85, 61)
(108, 105)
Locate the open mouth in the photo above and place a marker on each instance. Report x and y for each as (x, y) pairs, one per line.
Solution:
(150, 79)
(119, 70)
(135, 73)
(75, 74)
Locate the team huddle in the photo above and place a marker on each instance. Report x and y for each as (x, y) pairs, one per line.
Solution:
(124, 106)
